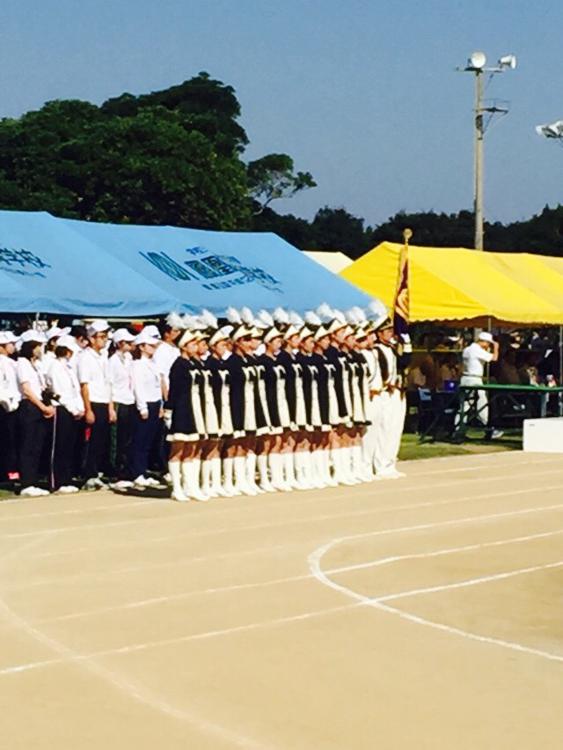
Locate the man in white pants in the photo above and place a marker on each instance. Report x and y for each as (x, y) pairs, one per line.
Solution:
(392, 405)
(482, 351)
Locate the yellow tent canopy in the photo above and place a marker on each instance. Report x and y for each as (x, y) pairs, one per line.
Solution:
(465, 286)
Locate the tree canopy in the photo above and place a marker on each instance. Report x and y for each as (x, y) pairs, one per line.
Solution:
(169, 157)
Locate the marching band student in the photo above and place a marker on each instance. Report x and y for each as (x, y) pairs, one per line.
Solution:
(294, 395)
(216, 376)
(33, 414)
(337, 361)
(53, 335)
(147, 388)
(392, 405)
(356, 431)
(242, 377)
(303, 448)
(10, 398)
(269, 446)
(123, 398)
(186, 423)
(99, 411)
(321, 437)
(63, 382)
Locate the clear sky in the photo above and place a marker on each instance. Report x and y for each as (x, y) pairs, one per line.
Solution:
(362, 93)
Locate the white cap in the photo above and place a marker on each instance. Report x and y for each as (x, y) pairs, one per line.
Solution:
(33, 335)
(69, 342)
(186, 337)
(486, 336)
(55, 332)
(221, 335)
(241, 332)
(321, 332)
(7, 337)
(305, 333)
(98, 326)
(145, 337)
(152, 331)
(273, 333)
(122, 334)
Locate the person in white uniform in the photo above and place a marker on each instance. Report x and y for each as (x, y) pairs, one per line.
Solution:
(147, 387)
(124, 401)
(475, 356)
(10, 398)
(63, 383)
(34, 413)
(99, 412)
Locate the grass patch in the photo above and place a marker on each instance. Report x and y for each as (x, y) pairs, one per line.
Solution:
(411, 449)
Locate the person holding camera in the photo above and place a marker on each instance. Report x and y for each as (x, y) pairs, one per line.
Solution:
(34, 412)
(63, 383)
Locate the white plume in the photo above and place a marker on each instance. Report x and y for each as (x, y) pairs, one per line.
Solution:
(233, 316)
(339, 316)
(376, 308)
(189, 321)
(312, 318)
(175, 320)
(325, 313)
(265, 318)
(296, 320)
(209, 320)
(360, 314)
(247, 316)
(281, 315)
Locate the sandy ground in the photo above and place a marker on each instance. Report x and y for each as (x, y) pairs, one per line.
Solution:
(420, 613)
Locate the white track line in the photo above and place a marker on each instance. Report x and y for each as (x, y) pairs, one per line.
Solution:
(315, 568)
(131, 689)
(140, 603)
(315, 571)
(468, 582)
(115, 571)
(152, 519)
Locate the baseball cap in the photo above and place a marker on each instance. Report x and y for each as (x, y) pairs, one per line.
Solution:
(68, 342)
(145, 337)
(98, 326)
(486, 336)
(122, 334)
(33, 335)
(7, 337)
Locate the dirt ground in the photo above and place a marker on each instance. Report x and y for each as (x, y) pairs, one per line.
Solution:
(422, 613)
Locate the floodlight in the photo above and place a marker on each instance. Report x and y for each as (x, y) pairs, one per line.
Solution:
(552, 130)
(507, 61)
(477, 60)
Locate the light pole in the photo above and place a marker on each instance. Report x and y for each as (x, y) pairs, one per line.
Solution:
(476, 64)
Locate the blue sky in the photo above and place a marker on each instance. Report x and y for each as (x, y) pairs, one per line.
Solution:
(361, 93)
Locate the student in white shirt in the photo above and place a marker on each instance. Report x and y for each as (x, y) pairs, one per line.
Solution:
(123, 398)
(33, 415)
(147, 388)
(99, 411)
(10, 398)
(475, 356)
(63, 382)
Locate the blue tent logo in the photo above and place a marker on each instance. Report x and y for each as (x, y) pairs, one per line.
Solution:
(212, 271)
(22, 262)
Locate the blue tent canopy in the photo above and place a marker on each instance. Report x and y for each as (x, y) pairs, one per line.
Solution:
(81, 268)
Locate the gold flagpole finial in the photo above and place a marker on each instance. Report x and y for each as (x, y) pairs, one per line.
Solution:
(407, 234)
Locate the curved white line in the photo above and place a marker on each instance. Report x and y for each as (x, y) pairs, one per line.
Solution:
(314, 562)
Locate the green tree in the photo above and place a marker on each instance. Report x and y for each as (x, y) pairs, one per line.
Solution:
(273, 177)
(169, 157)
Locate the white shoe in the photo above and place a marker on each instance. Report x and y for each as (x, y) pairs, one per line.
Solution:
(67, 489)
(122, 484)
(33, 492)
(151, 482)
(92, 484)
(190, 476)
(180, 496)
(141, 483)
